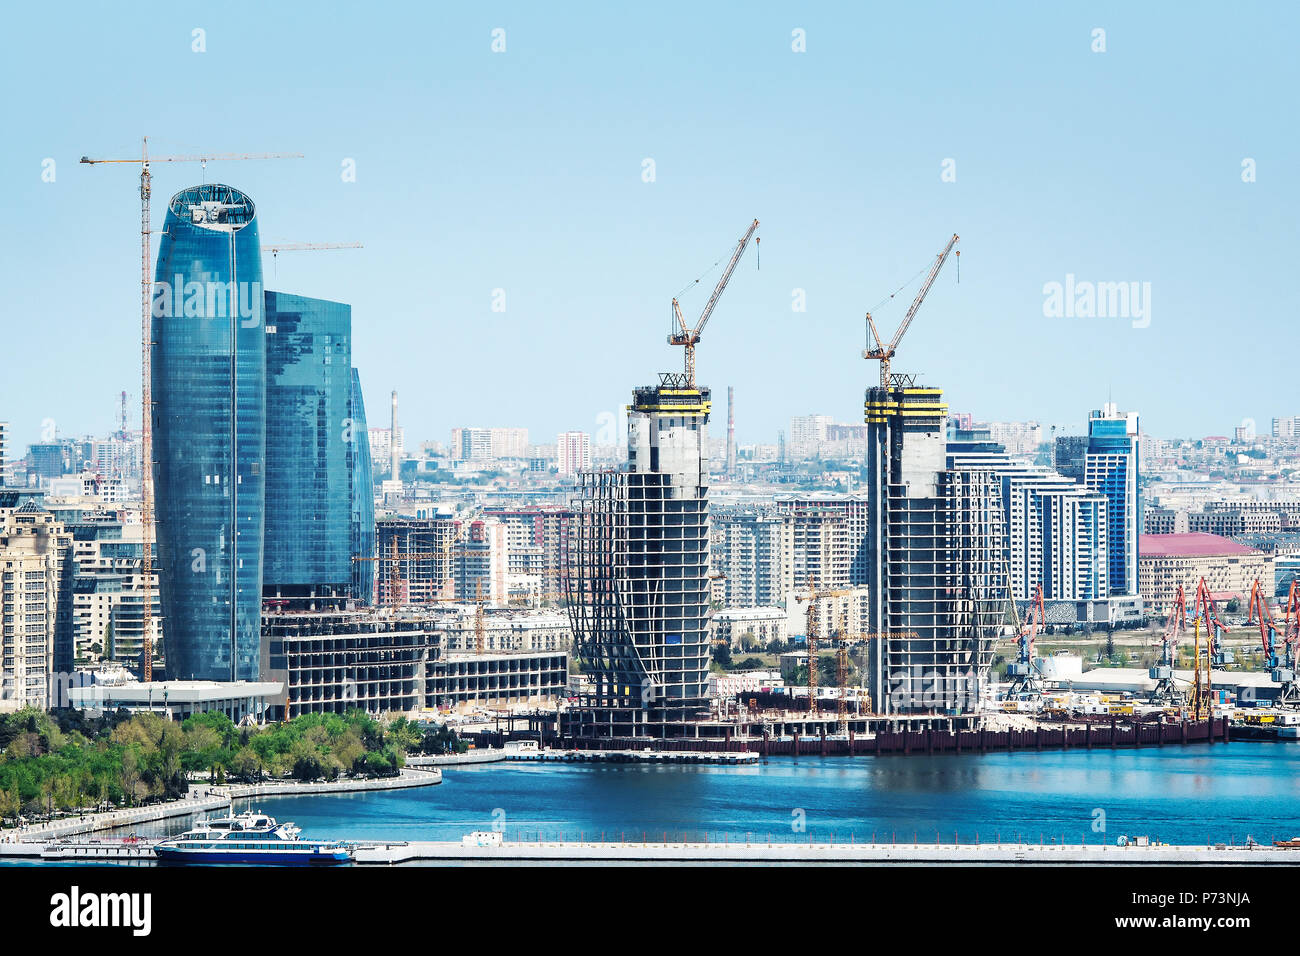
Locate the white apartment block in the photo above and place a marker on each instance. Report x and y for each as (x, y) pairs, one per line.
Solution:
(1018, 438)
(1287, 427)
(573, 451)
(807, 433)
(33, 549)
(504, 631)
(473, 443)
(763, 624)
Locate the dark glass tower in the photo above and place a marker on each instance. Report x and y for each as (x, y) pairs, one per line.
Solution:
(209, 428)
(309, 448)
(363, 498)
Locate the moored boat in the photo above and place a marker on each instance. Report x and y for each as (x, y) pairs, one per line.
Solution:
(249, 838)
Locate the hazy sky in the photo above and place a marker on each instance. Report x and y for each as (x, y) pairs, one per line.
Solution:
(524, 171)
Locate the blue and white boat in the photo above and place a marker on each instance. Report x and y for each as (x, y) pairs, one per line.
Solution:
(249, 838)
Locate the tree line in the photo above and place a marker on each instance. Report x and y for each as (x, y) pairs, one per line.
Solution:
(67, 761)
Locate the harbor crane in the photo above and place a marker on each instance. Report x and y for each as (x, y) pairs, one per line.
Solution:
(146, 397)
(1279, 654)
(884, 353)
(1162, 672)
(1026, 681)
(1202, 696)
(688, 336)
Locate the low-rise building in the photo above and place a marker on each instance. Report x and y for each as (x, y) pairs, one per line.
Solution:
(763, 624)
(1168, 560)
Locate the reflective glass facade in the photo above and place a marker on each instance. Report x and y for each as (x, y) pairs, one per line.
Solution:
(209, 432)
(363, 498)
(309, 468)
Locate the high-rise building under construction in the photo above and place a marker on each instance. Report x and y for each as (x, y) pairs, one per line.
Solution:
(637, 583)
(937, 579)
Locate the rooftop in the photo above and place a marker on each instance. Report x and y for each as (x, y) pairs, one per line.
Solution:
(1189, 545)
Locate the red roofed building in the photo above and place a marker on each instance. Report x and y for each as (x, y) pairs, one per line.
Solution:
(1168, 560)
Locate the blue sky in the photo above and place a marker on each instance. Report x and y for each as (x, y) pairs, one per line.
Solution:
(522, 171)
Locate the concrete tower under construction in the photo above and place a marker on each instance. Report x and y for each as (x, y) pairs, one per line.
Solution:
(637, 581)
(937, 578)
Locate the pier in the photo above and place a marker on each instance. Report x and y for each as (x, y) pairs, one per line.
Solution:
(969, 854)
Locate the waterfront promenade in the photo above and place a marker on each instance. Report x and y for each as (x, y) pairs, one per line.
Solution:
(206, 799)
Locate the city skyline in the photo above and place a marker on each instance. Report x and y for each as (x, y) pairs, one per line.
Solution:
(871, 217)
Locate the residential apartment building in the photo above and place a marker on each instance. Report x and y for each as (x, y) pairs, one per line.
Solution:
(35, 568)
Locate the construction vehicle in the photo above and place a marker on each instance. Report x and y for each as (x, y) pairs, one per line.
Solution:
(690, 337)
(1026, 680)
(1279, 655)
(885, 353)
(1162, 671)
(146, 372)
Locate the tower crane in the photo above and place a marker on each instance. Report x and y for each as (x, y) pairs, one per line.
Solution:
(884, 353)
(1025, 678)
(146, 396)
(688, 336)
(275, 248)
(1162, 672)
(813, 627)
(1279, 655)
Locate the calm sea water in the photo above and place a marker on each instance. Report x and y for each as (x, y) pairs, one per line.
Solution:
(1184, 795)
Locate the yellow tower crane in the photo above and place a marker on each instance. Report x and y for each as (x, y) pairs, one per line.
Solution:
(813, 627)
(688, 336)
(884, 353)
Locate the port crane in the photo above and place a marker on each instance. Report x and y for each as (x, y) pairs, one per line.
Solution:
(1162, 672)
(1202, 696)
(1026, 681)
(689, 337)
(1279, 655)
(884, 353)
(146, 396)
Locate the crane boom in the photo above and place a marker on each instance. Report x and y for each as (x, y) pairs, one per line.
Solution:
(197, 158)
(275, 248)
(886, 352)
(688, 337)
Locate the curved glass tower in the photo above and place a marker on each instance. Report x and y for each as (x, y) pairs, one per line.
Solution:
(209, 428)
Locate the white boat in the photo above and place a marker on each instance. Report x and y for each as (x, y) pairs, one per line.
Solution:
(249, 838)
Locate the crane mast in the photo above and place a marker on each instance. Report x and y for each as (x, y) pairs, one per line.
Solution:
(883, 353)
(688, 336)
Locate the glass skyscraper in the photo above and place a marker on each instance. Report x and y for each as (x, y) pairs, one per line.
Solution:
(1111, 469)
(209, 432)
(309, 447)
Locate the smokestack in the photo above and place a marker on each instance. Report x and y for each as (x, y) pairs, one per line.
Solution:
(393, 456)
(731, 431)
